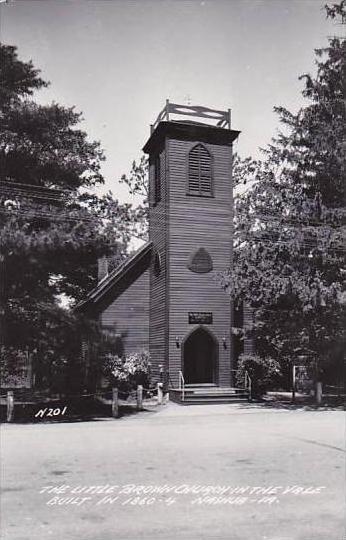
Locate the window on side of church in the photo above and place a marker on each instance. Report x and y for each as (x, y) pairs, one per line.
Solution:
(200, 172)
(157, 179)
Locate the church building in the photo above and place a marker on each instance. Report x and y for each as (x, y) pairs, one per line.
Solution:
(167, 297)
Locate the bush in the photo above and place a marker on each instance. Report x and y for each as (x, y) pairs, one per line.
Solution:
(265, 373)
(66, 375)
(15, 364)
(128, 372)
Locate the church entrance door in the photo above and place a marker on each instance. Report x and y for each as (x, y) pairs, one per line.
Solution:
(200, 357)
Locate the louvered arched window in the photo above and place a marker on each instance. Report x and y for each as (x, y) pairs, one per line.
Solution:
(200, 172)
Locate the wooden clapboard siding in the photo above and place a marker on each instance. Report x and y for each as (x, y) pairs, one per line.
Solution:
(143, 305)
(128, 315)
(158, 227)
(179, 225)
(199, 222)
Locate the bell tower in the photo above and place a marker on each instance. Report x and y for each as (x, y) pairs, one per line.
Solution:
(191, 228)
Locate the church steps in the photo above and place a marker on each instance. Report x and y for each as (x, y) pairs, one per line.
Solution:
(208, 394)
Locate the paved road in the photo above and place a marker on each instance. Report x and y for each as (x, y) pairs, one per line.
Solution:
(200, 448)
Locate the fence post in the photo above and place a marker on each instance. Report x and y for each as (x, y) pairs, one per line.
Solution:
(139, 397)
(115, 403)
(318, 393)
(294, 384)
(10, 406)
(159, 393)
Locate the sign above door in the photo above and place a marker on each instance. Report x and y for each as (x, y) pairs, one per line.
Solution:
(200, 317)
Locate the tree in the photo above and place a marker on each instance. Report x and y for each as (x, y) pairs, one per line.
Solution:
(289, 243)
(52, 226)
(138, 185)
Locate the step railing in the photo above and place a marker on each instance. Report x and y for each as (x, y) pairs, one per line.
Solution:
(247, 380)
(248, 383)
(182, 385)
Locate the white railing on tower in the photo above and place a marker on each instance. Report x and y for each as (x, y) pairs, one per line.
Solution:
(221, 118)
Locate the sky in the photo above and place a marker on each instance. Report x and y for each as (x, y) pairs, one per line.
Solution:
(118, 61)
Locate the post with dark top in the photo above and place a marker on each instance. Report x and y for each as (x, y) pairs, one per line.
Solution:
(159, 393)
(319, 393)
(10, 406)
(115, 403)
(139, 397)
(294, 384)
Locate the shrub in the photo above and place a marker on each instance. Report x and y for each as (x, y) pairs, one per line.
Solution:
(14, 366)
(128, 372)
(265, 372)
(137, 367)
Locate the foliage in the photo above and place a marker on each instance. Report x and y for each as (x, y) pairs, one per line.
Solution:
(52, 226)
(138, 185)
(13, 364)
(41, 144)
(265, 373)
(289, 334)
(128, 372)
(289, 229)
(53, 343)
(137, 181)
(17, 78)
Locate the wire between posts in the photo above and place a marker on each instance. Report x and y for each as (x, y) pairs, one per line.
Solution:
(105, 395)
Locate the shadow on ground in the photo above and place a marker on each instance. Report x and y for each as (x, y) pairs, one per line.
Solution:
(305, 404)
(81, 410)
(88, 409)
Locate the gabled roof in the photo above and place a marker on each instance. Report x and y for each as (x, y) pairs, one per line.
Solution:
(111, 286)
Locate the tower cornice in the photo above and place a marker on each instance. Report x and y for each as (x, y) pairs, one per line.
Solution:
(189, 131)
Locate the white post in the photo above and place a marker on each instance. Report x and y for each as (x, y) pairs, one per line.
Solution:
(159, 393)
(318, 393)
(139, 397)
(115, 403)
(10, 406)
(294, 384)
